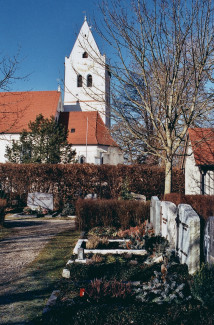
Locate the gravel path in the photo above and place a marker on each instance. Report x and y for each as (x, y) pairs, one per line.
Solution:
(27, 239)
(19, 249)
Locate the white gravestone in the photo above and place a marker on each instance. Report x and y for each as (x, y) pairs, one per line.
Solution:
(168, 222)
(209, 241)
(43, 200)
(155, 214)
(189, 237)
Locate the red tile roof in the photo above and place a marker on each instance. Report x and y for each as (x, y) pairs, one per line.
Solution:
(202, 141)
(98, 133)
(17, 109)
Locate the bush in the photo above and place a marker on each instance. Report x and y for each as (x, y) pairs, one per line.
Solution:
(113, 213)
(202, 204)
(203, 285)
(71, 181)
(3, 204)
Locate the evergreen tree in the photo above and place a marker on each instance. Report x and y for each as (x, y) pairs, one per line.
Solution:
(45, 143)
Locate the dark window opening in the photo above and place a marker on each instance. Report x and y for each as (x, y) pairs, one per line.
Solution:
(89, 80)
(85, 55)
(72, 130)
(82, 160)
(79, 81)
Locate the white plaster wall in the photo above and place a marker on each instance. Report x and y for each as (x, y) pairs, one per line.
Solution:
(6, 140)
(209, 183)
(192, 174)
(111, 155)
(86, 98)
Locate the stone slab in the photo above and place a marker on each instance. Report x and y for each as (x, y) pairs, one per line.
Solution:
(189, 237)
(37, 199)
(155, 210)
(168, 222)
(209, 241)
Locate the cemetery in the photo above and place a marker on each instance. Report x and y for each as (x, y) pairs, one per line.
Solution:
(140, 257)
(157, 264)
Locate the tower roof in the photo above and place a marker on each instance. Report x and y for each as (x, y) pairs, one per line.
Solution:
(85, 41)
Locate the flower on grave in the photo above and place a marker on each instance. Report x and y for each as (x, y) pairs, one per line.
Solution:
(82, 292)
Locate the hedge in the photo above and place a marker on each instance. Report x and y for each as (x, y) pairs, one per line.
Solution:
(202, 204)
(111, 213)
(71, 181)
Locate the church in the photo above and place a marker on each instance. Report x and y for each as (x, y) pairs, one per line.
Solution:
(84, 112)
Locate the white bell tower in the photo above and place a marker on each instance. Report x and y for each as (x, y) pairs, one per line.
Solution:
(87, 78)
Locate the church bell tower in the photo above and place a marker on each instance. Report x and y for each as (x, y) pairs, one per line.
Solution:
(87, 77)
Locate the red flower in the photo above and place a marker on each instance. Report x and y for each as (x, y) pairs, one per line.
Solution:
(82, 292)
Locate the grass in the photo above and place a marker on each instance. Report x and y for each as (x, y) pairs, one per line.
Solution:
(32, 290)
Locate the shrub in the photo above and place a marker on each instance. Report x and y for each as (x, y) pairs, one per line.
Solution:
(111, 213)
(203, 285)
(71, 181)
(3, 204)
(202, 204)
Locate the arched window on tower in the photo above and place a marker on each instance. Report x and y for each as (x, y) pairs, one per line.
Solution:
(89, 80)
(79, 80)
(85, 55)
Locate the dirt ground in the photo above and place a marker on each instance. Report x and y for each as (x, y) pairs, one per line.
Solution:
(20, 248)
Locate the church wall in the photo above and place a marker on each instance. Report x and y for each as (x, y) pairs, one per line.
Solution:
(6, 140)
(192, 174)
(111, 155)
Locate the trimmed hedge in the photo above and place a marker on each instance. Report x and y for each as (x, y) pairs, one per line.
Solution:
(115, 213)
(202, 204)
(71, 181)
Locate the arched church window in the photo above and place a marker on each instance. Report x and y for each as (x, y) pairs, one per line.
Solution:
(85, 55)
(82, 159)
(89, 80)
(79, 80)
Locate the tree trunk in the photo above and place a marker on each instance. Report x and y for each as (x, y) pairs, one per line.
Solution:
(168, 177)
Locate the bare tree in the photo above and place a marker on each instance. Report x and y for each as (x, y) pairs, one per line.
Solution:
(164, 51)
(10, 102)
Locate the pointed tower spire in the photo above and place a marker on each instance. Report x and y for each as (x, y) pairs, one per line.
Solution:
(87, 81)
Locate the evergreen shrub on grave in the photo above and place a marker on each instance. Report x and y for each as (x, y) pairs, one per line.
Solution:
(112, 213)
(203, 285)
(71, 181)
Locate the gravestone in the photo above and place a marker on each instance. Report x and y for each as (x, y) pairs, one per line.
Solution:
(43, 200)
(155, 214)
(168, 222)
(91, 196)
(189, 237)
(209, 241)
(138, 197)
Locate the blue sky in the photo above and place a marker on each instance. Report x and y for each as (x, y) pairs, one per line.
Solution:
(45, 32)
